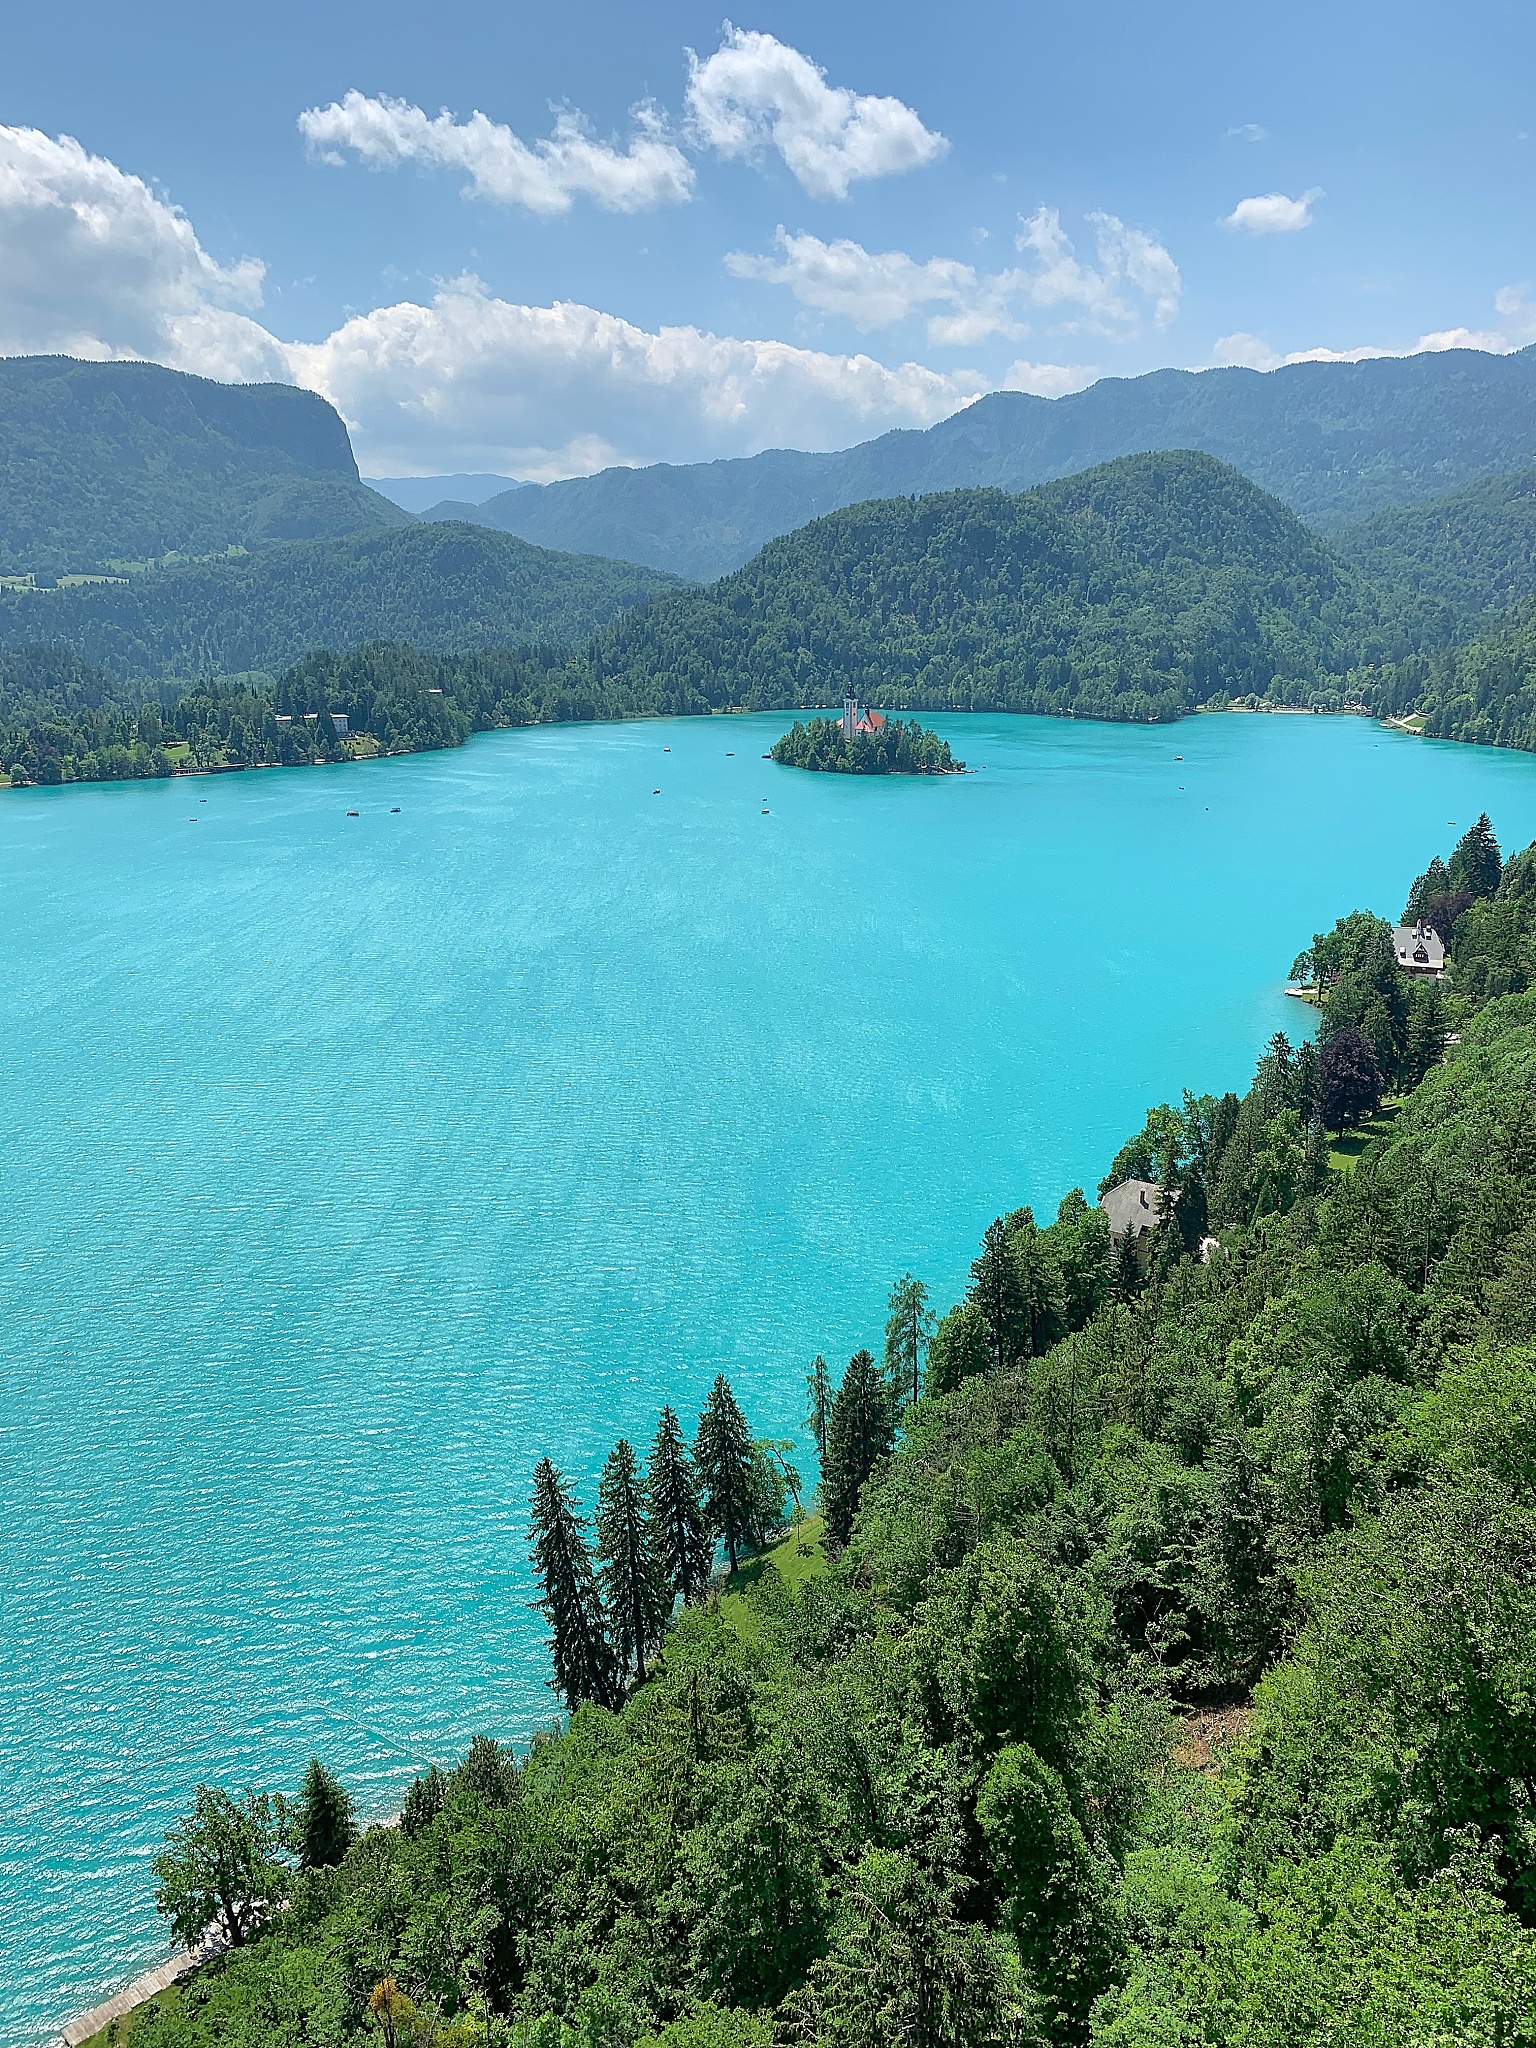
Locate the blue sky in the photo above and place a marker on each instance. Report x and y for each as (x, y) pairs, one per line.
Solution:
(831, 221)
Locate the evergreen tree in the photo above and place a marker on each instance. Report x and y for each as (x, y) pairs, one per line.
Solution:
(1477, 864)
(997, 1291)
(1432, 884)
(909, 1326)
(679, 1541)
(321, 1826)
(722, 1451)
(632, 1588)
(859, 1435)
(1041, 1294)
(1348, 1080)
(1127, 1264)
(818, 1386)
(579, 1646)
(959, 1350)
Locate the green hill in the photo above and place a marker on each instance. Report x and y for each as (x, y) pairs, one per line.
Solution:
(1337, 442)
(103, 462)
(446, 589)
(1138, 590)
(1483, 692)
(1475, 550)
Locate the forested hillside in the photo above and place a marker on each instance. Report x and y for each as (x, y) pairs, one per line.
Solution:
(128, 461)
(1335, 442)
(1164, 1675)
(1474, 551)
(1138, 590)
(444, 589)
(1483, 691)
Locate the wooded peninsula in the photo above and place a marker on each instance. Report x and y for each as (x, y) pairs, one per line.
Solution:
(1155, 1662)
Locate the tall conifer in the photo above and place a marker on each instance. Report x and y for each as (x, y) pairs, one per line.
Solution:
(679, 1541)
(859, 1435)
(579, 1646)
(997, 1290)
(908, 1328)
(722, 1451)
(818, 1386)
(632, 1591)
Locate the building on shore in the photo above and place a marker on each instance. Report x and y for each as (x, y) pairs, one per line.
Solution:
(1420, 949)
(1135, 1208)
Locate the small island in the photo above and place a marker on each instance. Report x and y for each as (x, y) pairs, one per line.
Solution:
(865, 743)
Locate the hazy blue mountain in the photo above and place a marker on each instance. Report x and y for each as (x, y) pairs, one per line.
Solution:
(1138, 589)
(1475, 549)
(425, 496)
(129, 461)
(446, 589)
(1335, 442)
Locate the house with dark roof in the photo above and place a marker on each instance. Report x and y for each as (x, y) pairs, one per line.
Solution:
(1420, 949)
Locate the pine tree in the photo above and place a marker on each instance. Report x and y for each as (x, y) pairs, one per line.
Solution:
(722, 1451)
(998, 1293)
(818, 1386)
(324, 1829)
(579, 1646)
(1476, 865)
(859, 1435)
(908, 1328)
(679, 1540)
(632, 1589)
(1128, 1274)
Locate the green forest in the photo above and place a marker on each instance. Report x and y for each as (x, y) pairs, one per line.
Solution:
(1154, 1667)
(109, 462)
(445, 589)
(900, 747)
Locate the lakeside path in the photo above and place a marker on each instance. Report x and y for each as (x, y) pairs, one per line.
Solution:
(138, 1993)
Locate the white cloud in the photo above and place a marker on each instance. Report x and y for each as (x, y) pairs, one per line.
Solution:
(1248, 131)
(1048, 380)
(757, 93)
(545, 179)
(546, 391)
(1272, 213)
(879, 290)
(1252, 352)
(94, 263)
(1135, 275)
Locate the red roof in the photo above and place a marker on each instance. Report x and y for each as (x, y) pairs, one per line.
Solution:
(870, 721)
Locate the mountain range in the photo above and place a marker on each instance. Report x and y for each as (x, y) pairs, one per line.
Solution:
(1336, 442)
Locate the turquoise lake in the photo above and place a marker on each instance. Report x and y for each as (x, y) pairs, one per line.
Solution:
(350, 1163)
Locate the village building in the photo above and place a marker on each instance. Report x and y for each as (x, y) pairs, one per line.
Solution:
(1420, 949)
(856, 720)
(1135, 1208)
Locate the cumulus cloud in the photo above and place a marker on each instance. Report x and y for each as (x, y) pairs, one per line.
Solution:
(1048, 380)
(570, 164)
(756, 93)
(1252, 352)
(548, 391)
(1272, 213)
(1134, 278)
(1247, 131)
(879, 290)
(94, 263)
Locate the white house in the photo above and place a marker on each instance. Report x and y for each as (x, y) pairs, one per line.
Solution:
(1420, 949)
(1135, 1208)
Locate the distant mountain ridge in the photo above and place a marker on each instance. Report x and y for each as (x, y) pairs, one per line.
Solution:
(1140, 589)
(1474, 549)
(445, 589)
(103, 462)
(442, 497)
(1336, 442)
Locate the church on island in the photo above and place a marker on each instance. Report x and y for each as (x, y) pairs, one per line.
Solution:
(856, 720)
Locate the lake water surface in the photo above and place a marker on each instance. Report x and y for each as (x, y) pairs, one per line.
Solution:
(348, 1164)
